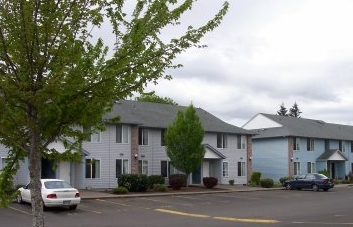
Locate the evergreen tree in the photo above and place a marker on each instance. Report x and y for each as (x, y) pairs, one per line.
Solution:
(55, 76)
(282, 111)
(294, 111)
(184, 141)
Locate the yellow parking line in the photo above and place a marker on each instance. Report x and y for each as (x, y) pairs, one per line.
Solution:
(25, 212)
(182, 213)
(250, 220)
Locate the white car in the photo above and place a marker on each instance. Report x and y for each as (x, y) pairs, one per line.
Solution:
(55, 193)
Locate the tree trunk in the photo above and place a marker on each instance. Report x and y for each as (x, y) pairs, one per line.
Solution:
(35, 173)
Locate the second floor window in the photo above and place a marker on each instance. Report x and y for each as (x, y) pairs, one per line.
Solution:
(2, 163)
(310, 144)
(143, 136)
(342, 146)
(296, 143)
(221, 140)
(241, 142)
(94, 136)
(122, 134)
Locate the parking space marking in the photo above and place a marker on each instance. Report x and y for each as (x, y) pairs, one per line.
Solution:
(93, 211)
(249, 220)
(22, 211)
(108, 201)
(320, 223)
(162, 201)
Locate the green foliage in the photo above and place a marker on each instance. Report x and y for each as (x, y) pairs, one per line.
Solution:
(120, 190)
(231, 182)
(324, 172)
(282, 179)
(152, 97)
(282, 111)
(255, 177)
(184, 141)
(160, 188)
(134, 182)
(55, 76)
(266, 183)
(176, 181)
(294, 111)
(209, 182)
(155, 179)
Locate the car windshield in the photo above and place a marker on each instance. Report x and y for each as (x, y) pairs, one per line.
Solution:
(56, 184)
(320, 176)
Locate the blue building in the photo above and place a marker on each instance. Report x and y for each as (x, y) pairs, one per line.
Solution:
(289, 146)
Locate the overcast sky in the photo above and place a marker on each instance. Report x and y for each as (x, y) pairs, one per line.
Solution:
(269, 52)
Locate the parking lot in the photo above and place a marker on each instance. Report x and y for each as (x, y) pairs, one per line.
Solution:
(257, 208)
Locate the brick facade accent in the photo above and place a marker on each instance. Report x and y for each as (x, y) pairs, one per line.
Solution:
(290, 156)
(134, 148)
(249, 157)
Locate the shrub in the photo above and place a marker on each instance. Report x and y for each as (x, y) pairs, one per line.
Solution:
(155, 179)
(209, 182)
(283, 179)
(134, 182)
(176, 181)
(160, 188)
(324, 172)
(231, 182)
(266, 183)
(255, 177)
(120, 190)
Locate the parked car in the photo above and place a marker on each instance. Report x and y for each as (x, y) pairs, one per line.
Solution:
(314, 181)
(55, 193)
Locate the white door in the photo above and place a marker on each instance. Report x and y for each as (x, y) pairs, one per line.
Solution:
(205, 169)
(64, 171)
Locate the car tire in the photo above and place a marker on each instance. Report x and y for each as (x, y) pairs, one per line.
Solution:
(19, 199)
(325, 189)
(73, 207)
(315, 188)
(45, 208)
(288, 186)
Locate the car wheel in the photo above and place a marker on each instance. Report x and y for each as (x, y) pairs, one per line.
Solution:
(315, 188)
(45, 208)
(19, 199)
(288, 186)
(73, 207)
(325, 189)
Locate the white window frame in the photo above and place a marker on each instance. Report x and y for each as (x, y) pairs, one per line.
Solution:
(221, 140)
(143, 167)
(170, 168)
(143, 136)
(2, 163)
(124, 134)
(296, 166)
(94, 137)
(225, 169)
(311, 143)
(241, 142)
(242, 167)
(296, 143)
(124, 166)
(93, 162)
(311, 167)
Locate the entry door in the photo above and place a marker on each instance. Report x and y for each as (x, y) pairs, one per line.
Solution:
(64, 171)
(196, 176)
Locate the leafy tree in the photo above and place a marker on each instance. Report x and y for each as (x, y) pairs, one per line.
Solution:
(282, 111)
(184, 141)
(152, 97)
(54, 77)
(294, 111)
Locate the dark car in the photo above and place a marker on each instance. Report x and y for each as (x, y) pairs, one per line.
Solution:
(314, 181)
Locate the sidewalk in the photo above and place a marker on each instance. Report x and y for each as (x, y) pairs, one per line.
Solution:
(98, 194)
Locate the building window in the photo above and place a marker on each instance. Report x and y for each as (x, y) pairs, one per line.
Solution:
(296, 168)
(241, 169)
(92, 168)
(167, 168)
(143, 167)
(163, 136)
(225, 169)
(221, 140)
(93, 136)
(3, 163)
(310, 144)
(121, 167)
(311, 167)
(241, 142)
(143, 136)
(352, 146)
(122, 134)
(342, 146)
(296, 143)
